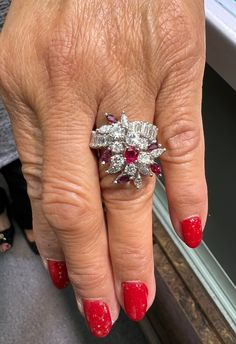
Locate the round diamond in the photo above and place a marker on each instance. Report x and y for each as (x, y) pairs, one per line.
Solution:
(117, 162)
(131, 169)
(117, 132)
(117, 159)
(143, 143)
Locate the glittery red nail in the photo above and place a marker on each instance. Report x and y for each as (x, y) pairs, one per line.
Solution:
(192, 231)
(98, 317)
(58, 273)
(135, 299)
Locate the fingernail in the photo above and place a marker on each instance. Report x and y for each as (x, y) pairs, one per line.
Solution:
(58, 273)
(135, 299)
(98, 317)
(192, 231)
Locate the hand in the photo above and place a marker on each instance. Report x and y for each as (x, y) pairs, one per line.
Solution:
(63, 65)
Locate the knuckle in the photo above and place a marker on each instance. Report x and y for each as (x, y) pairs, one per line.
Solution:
(63, 206)
(182, 34)
(131, 259)
(61, 214)
(59, 53)
(62, 54)
(88, 279)
(69, 63)
(181, 139)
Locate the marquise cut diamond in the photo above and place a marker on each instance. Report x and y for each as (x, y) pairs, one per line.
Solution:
(157, 152)
(145, 158)
(144, 170)
(138, 181)
(124, 120)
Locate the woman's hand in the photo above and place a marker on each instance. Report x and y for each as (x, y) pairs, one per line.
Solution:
(63, 65)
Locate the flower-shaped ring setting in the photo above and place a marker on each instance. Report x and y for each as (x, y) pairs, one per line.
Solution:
(129, 148)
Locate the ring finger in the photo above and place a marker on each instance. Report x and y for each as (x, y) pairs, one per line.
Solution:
(129, 216)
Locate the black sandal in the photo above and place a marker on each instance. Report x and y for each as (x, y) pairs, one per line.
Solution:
(31, 244)
(7, 235)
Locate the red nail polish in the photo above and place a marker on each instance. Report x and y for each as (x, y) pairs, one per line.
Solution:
(58, 273)
(98, 317)
(135, 299)
(192, 231)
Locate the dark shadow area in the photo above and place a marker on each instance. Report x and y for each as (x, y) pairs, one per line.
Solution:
(219, 118)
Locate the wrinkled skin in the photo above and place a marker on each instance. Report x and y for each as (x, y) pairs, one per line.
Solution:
(63, 65)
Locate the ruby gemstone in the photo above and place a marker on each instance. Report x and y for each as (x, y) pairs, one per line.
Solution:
(110, 118)
(156, 169)
(152, 146)
(106, 156)
(123, 179)
(131, 155)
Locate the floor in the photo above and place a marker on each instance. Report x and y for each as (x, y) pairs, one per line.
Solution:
(32, 311)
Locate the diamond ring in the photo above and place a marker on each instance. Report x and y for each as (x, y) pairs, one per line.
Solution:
(128, 148)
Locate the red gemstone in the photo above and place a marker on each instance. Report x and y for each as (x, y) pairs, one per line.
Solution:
(156, 169)
(152, 146)
(106, 156)
(110, 118)
(123, 179)
(131, 155)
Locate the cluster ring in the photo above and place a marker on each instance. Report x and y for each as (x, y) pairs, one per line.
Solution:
(129, 148)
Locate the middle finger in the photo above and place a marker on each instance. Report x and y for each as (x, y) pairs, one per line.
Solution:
(129, 219)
